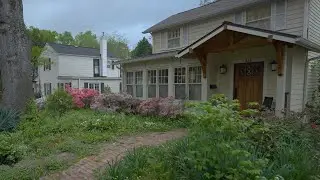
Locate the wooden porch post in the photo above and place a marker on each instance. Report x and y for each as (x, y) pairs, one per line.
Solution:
(145, 83)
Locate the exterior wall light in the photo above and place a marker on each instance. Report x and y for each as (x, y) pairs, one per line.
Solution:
(223, 69)
(274, 65)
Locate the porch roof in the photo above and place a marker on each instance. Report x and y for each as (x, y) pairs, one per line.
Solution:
(163, 55)
(257, 32)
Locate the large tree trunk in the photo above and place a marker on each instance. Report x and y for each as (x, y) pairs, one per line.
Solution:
(15, 54)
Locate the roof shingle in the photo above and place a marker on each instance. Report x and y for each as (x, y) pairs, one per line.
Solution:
(213, 9)
(73, 50)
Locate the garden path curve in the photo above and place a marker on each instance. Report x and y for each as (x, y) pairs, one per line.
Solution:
(112, 152)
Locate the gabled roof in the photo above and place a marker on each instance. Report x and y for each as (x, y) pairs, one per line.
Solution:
(213, 9)
(268, 34)
(73, 50)
(157, 56)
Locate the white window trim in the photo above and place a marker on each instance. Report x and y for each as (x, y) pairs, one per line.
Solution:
(181, 39)
(187, 80)
(157, 84)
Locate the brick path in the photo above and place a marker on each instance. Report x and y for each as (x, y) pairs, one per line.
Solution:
(113, 152)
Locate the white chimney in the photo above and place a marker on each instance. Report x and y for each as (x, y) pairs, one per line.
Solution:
(104, 55)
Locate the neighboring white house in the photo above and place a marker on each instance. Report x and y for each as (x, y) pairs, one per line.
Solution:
(247, 49)
(79, 67)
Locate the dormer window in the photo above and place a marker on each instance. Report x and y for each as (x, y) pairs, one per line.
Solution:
(174, 38)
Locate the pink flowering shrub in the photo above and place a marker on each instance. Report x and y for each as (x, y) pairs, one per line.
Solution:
(115, 102)
(164, 107)
(82, 98)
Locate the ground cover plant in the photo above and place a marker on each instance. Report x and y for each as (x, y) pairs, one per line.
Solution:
(226, 143)
(50, 140)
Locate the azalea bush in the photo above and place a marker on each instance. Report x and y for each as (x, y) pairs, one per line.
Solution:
(116, 102)
(164, 107)
(82, 98)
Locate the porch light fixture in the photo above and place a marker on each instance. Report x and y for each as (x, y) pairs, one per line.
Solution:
(274, 65)
(223, 69)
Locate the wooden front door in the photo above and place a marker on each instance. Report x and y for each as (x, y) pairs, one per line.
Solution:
(248, 83)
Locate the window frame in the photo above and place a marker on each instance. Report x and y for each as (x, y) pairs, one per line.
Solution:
(47, 90)
(96, 74)
(47, 65)
(195, 83)
(180, 83)
(138, 81)
(246, 22)
(152, 83)
(160, 82)
(131, 82)
(187, 84)
(176, 30)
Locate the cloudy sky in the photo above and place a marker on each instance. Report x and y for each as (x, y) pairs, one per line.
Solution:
(127, 17)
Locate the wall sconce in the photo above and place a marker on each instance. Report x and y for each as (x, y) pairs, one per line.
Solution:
(274, 65)
(223, 69)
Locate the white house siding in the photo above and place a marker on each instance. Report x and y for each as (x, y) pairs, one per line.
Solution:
(299, 58)
(313, 78)
(49, 76)
(294, 17)
(76, 65)
(294, 25)
(113, 83)
(225, 82)
(314, 36)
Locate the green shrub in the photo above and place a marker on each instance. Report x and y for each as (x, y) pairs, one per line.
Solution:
(9, 119)
(9, 153)
(31, 112)
(225, 144)
(59, 102)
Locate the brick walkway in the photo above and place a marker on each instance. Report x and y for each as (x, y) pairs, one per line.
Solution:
(113, 152)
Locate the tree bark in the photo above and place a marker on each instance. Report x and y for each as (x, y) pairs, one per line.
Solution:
(15, 54)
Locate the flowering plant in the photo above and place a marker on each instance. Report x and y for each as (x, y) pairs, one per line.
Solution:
(82, 97)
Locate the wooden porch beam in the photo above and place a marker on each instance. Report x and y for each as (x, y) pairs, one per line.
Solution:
(202, 57)
(279, 47)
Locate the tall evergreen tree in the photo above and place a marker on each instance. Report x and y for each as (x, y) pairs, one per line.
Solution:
(143, 48)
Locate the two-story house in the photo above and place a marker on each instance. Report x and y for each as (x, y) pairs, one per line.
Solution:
(249, 50)
(78, 67)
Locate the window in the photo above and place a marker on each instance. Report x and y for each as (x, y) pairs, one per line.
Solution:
(163, 83)
(96, 67)
(47, 65)
(195, 83)
(64, 85)
(139, 84)
(180, 83)
(280, 14)
(102, 88)
(152, 83)
(47, 89)
(259, 17)
(129, 83)
(174, 38)
(112, 65)
(95, 86)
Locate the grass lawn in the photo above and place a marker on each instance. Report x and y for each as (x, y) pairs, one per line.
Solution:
(51, 144)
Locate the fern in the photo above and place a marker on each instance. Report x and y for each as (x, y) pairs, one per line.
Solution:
(9, 119)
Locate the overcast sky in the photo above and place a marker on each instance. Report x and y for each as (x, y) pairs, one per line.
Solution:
(127, 17)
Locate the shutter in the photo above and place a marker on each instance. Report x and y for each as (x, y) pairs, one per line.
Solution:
(102, 87)
(49, 64)
(164, 41)
(50, 90)
(44, 66)
(86, 85)
(185, 36)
